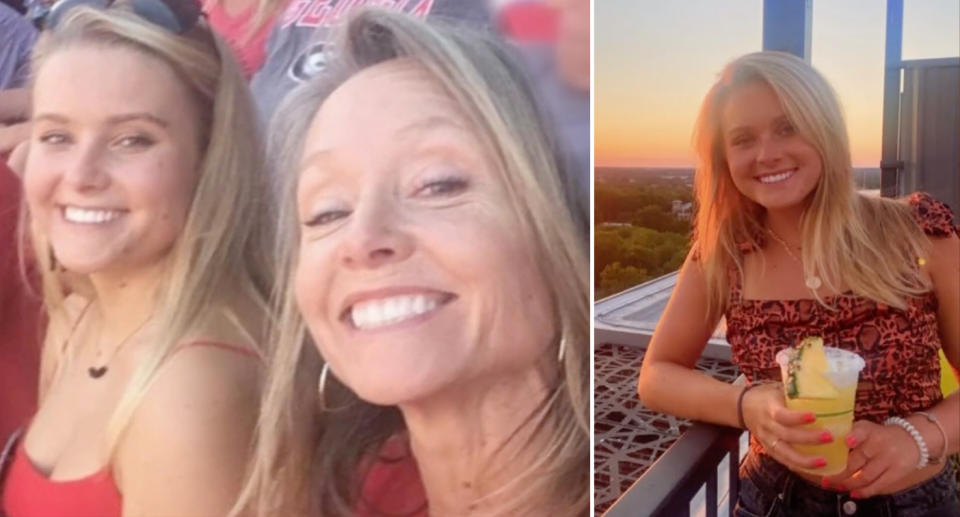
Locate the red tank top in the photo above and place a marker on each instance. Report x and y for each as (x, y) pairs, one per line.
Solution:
(28, 492)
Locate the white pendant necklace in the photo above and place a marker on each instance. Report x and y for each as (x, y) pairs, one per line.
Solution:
(812, 282)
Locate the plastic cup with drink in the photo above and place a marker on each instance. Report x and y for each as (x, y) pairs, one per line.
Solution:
(823, 381)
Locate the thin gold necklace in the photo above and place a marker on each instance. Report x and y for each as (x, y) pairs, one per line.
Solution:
(812, 282)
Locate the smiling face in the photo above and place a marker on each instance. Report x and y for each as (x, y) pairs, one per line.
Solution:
(412, 275)
(113, 157)
(769, 162)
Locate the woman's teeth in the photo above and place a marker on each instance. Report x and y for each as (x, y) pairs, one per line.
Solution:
(774, 178)
(89, 216)
(388, 311)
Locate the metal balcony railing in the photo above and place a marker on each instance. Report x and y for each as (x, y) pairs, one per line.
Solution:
(705, 459)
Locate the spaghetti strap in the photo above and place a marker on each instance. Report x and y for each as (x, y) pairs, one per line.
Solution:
(225, 346)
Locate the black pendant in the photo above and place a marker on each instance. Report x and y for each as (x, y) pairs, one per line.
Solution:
(96, 373)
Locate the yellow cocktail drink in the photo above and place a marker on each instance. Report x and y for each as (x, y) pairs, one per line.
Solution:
(822, 381)
(834, 415)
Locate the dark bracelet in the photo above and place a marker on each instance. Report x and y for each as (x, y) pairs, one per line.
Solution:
(743, 425)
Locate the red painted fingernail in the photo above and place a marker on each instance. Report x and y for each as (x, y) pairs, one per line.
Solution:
(809, 418)
(851, 441)
(826, 437)
(824, 483)
(856, 495)
(820, 462)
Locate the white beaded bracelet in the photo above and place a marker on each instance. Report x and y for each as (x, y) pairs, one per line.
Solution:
(921, 444)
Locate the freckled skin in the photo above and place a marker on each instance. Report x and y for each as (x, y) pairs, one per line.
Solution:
(82, 154)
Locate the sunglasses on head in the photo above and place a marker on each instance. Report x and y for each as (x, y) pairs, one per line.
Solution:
(176, 16)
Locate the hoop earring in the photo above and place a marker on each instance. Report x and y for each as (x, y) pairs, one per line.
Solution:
(321, 390)
(562, 349)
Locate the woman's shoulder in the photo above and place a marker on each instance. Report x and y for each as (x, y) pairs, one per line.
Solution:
(218, 363)
(933, 216)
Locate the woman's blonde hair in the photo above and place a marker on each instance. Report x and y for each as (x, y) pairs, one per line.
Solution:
(308, 462)
(868, 245)
(226, 238)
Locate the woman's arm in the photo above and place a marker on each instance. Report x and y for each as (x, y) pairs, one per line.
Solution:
(944, 269)
(185, 452)
(668, 381)
(14, 105)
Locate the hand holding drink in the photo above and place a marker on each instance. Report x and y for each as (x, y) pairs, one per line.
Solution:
(822, 381)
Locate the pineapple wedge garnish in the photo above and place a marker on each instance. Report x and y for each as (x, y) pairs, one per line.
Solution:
(806, 372)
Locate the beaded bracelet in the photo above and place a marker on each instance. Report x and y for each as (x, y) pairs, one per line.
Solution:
(946, 443)
(921, 444)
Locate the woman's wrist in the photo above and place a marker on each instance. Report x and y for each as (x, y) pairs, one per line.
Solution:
(933, 435)
(918, 438)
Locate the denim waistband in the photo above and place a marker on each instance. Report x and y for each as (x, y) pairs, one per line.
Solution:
(778, 486)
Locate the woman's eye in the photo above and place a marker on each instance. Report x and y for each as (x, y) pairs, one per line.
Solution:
(741, 141)
(785, 130)
(54, 138)
(327, 217)
(134, 141)
(442, 187)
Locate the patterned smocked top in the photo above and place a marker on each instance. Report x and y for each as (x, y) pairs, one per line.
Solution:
(900, 347)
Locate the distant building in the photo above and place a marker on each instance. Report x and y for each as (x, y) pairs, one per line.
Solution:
(682, 211)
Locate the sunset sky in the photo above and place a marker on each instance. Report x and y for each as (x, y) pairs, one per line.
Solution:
(655, 60)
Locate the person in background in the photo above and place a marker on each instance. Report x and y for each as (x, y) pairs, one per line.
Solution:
(435, 290)
(16, 39)
(300, 43)
(245, 24)
(144, 187)
(20, 313)
(17, 36)
(553, 40)
(785, 248)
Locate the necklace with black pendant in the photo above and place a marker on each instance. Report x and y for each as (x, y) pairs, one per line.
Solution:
(97, 372)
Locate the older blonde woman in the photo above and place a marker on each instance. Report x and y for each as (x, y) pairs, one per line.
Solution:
(142, 184)
(436, 264)
(787, 248)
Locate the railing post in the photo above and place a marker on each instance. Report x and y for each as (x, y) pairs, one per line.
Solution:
(890, 164)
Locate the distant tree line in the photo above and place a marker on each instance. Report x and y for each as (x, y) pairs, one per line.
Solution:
(637, 237)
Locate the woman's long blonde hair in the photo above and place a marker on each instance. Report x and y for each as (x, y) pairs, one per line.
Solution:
(308, 462)
(867, 245)
(226, 238)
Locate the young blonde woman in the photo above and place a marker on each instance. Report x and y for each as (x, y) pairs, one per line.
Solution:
(787, 248)
(437, 291)
(142, 182)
